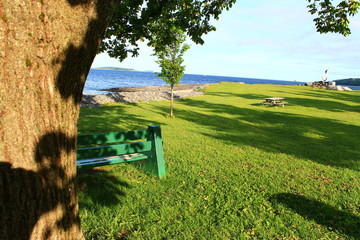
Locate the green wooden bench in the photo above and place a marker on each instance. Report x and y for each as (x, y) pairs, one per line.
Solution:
(101, 149)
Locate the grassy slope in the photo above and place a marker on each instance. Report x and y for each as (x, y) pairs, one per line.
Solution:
(235, 169)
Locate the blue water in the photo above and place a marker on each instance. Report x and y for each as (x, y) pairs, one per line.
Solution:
(104, 79)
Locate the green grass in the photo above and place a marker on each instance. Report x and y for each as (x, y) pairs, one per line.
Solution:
(235, 169)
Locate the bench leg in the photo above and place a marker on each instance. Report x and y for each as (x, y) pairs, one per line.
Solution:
(156, 164)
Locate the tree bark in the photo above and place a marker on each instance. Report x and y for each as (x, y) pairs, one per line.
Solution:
(46, 50)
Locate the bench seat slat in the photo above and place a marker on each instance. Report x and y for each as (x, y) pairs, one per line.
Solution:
(95, 162)
(113, 150)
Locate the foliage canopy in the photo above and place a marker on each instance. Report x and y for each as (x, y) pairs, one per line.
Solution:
(170, 57)
(331, 18)
(134, 20)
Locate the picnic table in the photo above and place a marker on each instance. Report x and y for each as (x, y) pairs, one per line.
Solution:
(274, 101)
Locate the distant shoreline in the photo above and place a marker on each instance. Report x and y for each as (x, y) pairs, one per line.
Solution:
(106, 79)
(121, 69)
(178, 87)
(114, 68)
(142, 94)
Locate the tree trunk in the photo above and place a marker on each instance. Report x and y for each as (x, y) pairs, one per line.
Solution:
(172, 101)
(46, 50)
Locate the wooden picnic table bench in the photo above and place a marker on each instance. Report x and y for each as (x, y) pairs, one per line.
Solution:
(274, 101)
(99, 149)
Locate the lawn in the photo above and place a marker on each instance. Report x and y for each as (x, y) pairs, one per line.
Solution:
(235, 169)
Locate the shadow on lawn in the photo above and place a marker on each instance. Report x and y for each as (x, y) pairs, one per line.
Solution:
(314, 99)
(326, 94)
(258, 97)
(322, 213)
(325, 141)
(327, 105)
(111, 119)
(320, 100)
(100, 187)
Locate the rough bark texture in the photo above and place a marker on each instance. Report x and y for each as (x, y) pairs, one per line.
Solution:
(46, 50)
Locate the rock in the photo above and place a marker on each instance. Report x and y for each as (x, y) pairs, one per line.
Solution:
(339, 88)
(142, 94)
(347, 89)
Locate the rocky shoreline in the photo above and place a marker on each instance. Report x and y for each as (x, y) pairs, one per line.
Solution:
(142, 94)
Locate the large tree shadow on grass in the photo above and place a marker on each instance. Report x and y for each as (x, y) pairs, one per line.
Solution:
(351, 97)
(27, 195)
(329, 100)
(100, 187)
(102, 119)
(325, 141)
(322, 213)
(340, 101)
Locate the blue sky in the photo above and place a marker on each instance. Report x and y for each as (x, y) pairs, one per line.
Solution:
(264, 39)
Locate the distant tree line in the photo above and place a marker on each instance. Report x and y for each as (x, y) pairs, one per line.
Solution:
(349, 81)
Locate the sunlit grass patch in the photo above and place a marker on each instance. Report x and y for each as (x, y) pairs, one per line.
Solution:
(235, 169)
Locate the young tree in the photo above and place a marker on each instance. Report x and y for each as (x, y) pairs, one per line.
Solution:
(170, 59)
(46, 50)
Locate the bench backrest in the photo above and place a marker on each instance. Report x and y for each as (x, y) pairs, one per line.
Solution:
(111, 137)
(148, 142)
(112, 144)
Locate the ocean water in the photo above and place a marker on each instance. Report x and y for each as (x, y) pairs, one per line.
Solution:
(99, 79)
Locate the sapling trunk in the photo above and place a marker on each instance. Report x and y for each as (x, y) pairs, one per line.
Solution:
(172, 101)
